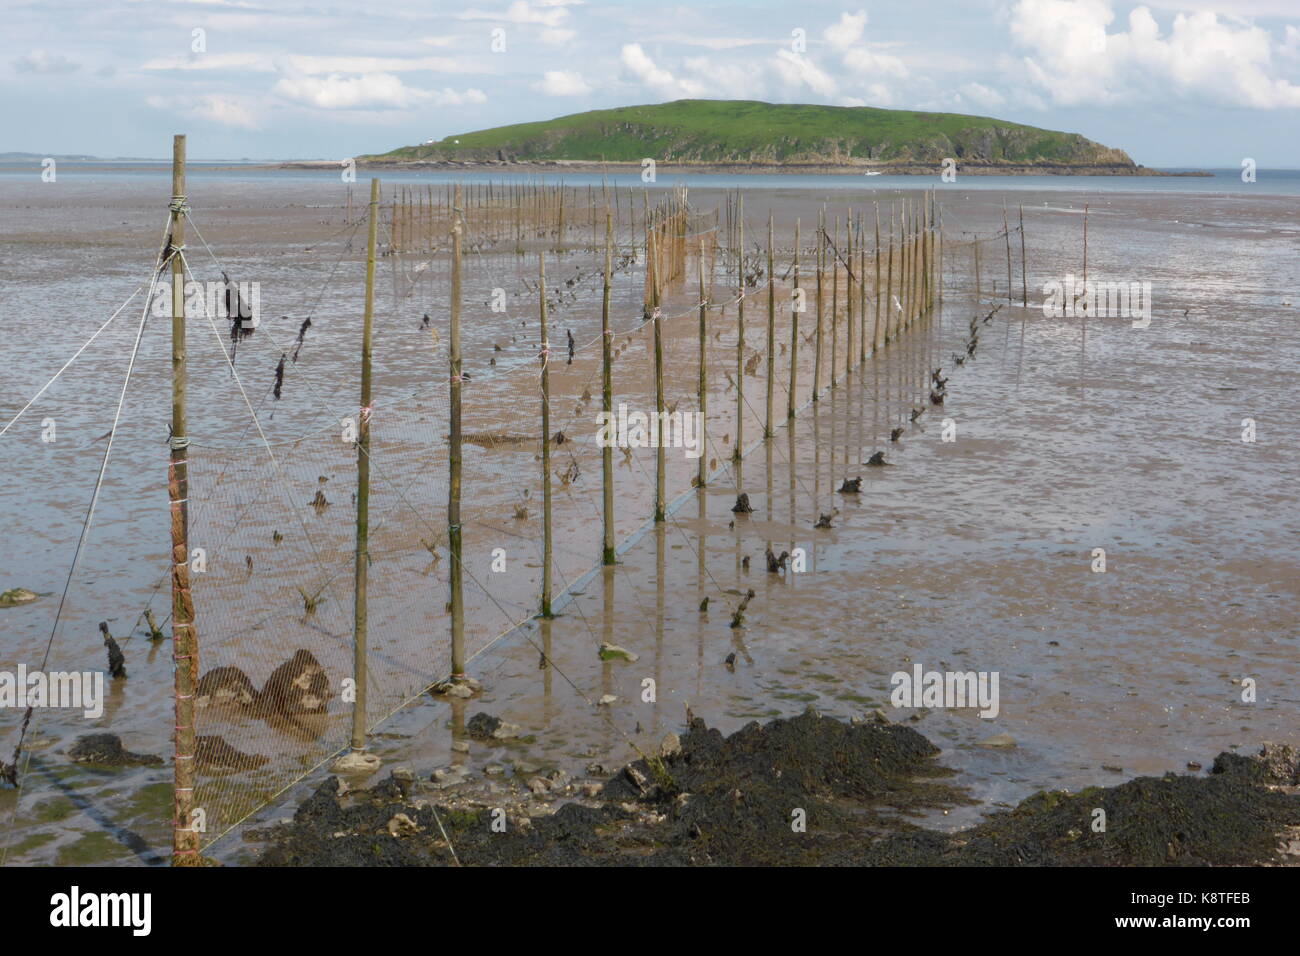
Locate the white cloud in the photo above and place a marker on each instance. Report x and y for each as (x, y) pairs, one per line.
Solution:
(224, 110)
(864, 62)
(1075, 61)
(553, 37)
(798, 71)
(39, 61)
(638, 64)
(521, 11)
(846, 31)
(367, 91)
(562, 83)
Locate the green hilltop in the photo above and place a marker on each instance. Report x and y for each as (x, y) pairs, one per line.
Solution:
(750, 132)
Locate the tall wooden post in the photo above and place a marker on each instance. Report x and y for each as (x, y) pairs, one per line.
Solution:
(546, 440)
(1024, 282)
(875, 332)
(607, 395)
(362, 557)
(1006, 231)
(890, 312)
(835, 302)
(661, 507)
(454, 543)
(862, 293)
(185, 639)
(740, 330)
(703, 387)
(821, 265)
(848, 292)
(771, 326)
(795, 305)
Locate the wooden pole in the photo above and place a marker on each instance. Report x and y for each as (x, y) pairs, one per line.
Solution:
(875, 333)
(738, 453)
(362, 556)
(835, 302)
(848, 291)
(862, 293)
(454, 544)
(1024, 281)
(890, 316)
(794, 329)
(1006, 231)
(771, 327)
(661, 508)
(821, 266)
(185, 639)
(607, 394)
(701, 463)
(546, 440)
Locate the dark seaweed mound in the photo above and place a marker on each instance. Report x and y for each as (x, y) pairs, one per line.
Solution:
(734, 801)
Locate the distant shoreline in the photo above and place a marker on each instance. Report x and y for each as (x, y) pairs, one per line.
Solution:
(860, 169)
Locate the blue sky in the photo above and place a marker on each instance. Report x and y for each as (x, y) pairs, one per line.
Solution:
(1196, 82)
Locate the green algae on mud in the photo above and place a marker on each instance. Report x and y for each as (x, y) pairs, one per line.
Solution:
(732, 801)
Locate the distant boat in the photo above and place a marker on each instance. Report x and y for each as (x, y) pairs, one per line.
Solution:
(872, 172)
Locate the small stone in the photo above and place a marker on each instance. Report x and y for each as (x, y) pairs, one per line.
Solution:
(356, 762)
(999, 741)
(401, 824)
(523, 768)
(506, 731)
(483, 726)
(558, 779)
(637, 778)
(596, 770)
(15, 596)
(494, 770)
(592, 790)
(612, 652)
(670, 746)
(606, 700)
(539, 786)
(460, 746)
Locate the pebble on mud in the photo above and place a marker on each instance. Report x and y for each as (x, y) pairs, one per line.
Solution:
(999, 740)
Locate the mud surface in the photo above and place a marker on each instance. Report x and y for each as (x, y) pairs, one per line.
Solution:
(739, 800)
(972, 554)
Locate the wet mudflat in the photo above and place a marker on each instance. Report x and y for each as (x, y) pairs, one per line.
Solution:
(970, 555)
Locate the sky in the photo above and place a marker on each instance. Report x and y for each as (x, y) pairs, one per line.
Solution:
(1200, 83)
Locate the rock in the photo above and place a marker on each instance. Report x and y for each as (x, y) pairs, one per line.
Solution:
(213, 753)
(494, 770)
(523, 768)
(225, 686)
(15, 596)
(401, 825)
(506, 731)
(670, 746)
(538, 785)
(558, 779)
(356, 762)
(460, 746)
(606, 700)
(107, 750)
(636, 778)
(298, 686)
(596, 770)
(592, 790)
(612, 652)
(999, 741)
(482, 726)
